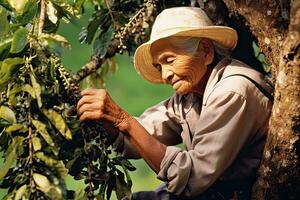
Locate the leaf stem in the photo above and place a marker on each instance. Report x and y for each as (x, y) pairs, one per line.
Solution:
(42, 17)
(110, 12)
(30, 158)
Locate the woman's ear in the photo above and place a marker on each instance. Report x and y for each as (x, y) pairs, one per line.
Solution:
(206, 47)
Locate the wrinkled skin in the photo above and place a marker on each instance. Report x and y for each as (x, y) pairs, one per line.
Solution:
(181, 70)
(96, 104)
(184, 73)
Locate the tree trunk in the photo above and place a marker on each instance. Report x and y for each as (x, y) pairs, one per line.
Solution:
(275, 25)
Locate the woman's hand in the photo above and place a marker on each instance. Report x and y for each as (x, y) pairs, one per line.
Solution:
(96, 104)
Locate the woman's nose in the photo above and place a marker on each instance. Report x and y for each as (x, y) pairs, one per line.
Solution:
(167, 74)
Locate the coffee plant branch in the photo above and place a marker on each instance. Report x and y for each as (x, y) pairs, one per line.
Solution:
(42, 17)
(41, 137)
(96, 62)
(133, 32)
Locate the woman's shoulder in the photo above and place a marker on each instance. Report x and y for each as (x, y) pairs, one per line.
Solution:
(240, 79)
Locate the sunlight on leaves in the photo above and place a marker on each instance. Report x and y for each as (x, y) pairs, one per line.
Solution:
(18, 5)
(43, 131)
(57, 120)
(7, 114)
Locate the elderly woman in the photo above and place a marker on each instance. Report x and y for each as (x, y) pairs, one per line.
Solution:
(220, 111)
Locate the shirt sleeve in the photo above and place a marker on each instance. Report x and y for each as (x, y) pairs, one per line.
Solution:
(161, 121)
(223, 128)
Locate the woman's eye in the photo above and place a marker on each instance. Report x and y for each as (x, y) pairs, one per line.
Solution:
(170, 60)
(157, 66)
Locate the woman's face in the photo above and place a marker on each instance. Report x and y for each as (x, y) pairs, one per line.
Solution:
(179, 69)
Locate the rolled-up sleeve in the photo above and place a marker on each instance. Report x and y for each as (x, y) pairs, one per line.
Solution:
(224, 126)
(160, 121)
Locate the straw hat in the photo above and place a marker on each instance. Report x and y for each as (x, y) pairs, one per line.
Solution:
(180, 21)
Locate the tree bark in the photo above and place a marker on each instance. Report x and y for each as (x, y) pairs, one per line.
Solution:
(279, 176)
(276, 25)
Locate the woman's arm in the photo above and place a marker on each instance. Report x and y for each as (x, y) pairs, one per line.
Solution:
(148, 146)
(97, 104)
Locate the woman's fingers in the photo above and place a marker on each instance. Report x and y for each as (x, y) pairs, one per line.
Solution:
(89, 91)
(96, 104)
(93, 107)
(94, 92)
(91, 115)
(91, 104)
(88, 100)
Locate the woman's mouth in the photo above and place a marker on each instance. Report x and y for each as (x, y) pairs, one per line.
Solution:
(176, 84)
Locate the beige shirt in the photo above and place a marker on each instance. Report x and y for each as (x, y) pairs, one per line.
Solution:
(224, 132)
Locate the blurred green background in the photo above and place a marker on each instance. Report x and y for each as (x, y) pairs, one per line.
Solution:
(129, 90)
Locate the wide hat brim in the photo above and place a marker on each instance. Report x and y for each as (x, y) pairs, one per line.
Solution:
(224, 36)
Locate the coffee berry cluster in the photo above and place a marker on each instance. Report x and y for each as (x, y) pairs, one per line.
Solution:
(136, 27)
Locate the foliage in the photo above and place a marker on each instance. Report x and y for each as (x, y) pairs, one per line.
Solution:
(41, 137)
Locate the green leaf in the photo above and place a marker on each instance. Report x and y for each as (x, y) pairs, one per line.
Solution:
(64, 10)
(47, 187)
(128, 178)
(49, 27)
(102, 42)
(127, 164)
(4, 24)
(12, 94)
(30, 11)
(7, 114)
(255, 49)
(121, 161)
(58, 165)
(27, 88)
(9, 160)
(19, 40)
(11, 155)
(42, 182)
(37, 89)
(36, 143)
(57, 120)
(4, 140)
(8, 68)
(5, 45)
(18, 5)
(122, 189)
(52, 12)
(9, 196)
(79, 5)
(75, 165)
(43, 131)
(110, 184)
(56, 38)
(98, 18)
(4, 123)
(102, 190)
(55, 193)
(14, 127)
(54, 42)
(20, 192)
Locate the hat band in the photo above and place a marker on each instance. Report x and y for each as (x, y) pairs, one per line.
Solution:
(171, 31)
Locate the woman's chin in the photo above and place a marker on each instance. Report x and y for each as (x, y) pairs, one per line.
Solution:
(181, 93)
(181, 89)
